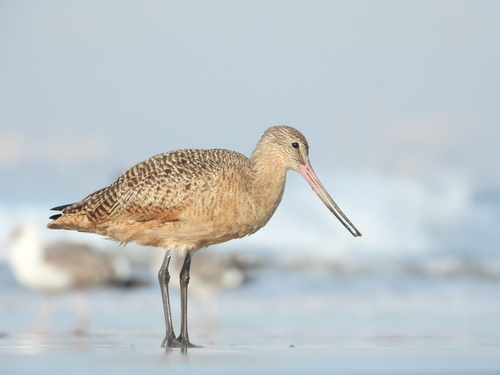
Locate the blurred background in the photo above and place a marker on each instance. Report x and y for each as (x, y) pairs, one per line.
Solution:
(399, 102)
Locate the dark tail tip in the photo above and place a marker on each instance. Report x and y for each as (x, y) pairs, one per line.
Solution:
(60, 208)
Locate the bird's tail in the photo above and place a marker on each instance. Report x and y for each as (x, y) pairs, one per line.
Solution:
(68, 220)
(59, 208)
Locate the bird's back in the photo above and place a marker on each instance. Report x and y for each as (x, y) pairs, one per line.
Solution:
(172, 199)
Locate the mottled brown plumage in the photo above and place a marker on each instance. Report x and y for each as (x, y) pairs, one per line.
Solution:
(183, 199)
(190, 199)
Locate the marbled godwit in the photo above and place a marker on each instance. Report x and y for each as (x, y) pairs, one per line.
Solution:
(62, 267)
(190, 199)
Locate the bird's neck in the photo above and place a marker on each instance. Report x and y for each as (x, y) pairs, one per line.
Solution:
(269, 176)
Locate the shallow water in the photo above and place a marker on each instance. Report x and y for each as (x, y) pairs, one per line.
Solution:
(133, 353)
(280, 322)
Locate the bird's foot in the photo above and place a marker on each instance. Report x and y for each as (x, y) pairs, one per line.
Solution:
(179, 342)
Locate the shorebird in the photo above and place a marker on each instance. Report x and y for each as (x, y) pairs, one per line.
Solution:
(58, 268)
(189, 199)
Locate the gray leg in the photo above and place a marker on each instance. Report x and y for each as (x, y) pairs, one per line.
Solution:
(184, 281)
(164, 278)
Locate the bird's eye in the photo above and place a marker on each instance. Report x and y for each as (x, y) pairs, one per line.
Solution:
(295, 145)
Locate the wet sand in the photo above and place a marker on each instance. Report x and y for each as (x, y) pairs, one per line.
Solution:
(127, 353)
(283, 323)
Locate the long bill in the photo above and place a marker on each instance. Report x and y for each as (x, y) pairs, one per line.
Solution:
(307, 172)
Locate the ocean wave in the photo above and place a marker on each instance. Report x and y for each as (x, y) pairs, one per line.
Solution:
(409, 226)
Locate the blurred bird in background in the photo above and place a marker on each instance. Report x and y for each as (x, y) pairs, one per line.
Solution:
(58, 268)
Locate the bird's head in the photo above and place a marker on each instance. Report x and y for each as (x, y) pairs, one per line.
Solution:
(286, 146)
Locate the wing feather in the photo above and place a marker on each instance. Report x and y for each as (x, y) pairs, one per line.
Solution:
(159, 187)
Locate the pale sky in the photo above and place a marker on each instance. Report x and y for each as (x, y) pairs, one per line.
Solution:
(89, 88)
